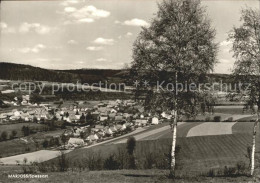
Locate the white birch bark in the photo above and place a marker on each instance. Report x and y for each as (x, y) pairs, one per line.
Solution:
(252, 168)
(173, 158)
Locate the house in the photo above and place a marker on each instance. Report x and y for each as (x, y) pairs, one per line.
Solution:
(163, 114)
(112, 116)
(114, 129)
(121, 127)
(99, 127)
(101, 133)
(103, 110)
(108, 131)
(103, 117)
(141, 122)
(119, 118)
(17, 113)
(127, 115)
(92, 138)
(155, 121)
(76, 141)
(113, 111)
(118, 101)
(101, 104)
(95, 115)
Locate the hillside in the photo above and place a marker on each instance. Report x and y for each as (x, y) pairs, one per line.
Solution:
(11, 71)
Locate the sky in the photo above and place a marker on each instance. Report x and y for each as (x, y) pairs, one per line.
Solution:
(95, 33)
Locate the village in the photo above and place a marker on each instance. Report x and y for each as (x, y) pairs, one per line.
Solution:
(83, 125)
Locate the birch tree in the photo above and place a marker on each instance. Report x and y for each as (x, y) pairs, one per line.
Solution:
(171, 57)
(246, 48)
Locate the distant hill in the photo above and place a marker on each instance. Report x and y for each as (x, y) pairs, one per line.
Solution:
(11, 71)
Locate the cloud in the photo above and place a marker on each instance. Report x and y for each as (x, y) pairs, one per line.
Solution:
(104, 41)
(67, 3)
(86, 20)
(70, 9)
(3, 25)
(72, 42)
(6, 29)
(36, 49)
(136, 22)
(101, 60)
(86, 14)
(94, 48)
(34, 27)
(129, 34)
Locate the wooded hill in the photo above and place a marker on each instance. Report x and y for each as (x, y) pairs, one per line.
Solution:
(11, 71)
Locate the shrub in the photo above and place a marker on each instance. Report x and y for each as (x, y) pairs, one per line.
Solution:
(94, 161)
(131, 143)
(211, 173)
(241, 168)
(111, 163)
(228, 171)
(149, 161)
(122, 157)
(217, 118)
(4, 136)
(63, 162)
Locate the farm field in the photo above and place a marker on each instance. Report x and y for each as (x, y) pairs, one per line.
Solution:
(231, 110)
(25, 145)
(32, 157)
(198, 154)
(18, 128)
(14, 147)
(209, 128)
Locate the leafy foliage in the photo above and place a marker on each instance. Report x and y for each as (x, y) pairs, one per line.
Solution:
(246, 48)
(179, 40)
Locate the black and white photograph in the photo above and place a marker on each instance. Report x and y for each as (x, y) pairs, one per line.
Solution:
(129, 91)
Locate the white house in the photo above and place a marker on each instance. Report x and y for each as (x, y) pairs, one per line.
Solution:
(92, 137)
(17, 113)
(108, 131)
(76, 141)
(155, 121)
(103, 117)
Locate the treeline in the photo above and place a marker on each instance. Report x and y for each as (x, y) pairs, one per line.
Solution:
(10, 71)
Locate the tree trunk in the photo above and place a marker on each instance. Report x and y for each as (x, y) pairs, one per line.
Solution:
(253, 146)
(173, 160)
